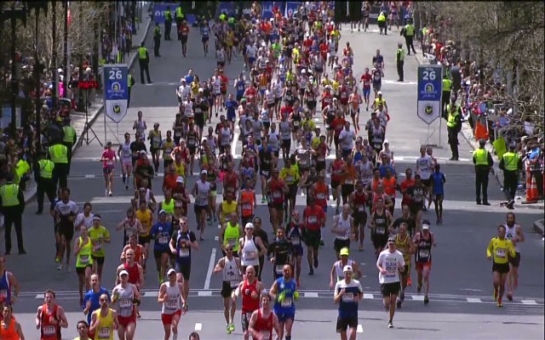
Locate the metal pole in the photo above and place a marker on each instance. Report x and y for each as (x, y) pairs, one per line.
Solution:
(105, 134)
(54, 53)
(38, 102)
(65, 54)
(14, 78)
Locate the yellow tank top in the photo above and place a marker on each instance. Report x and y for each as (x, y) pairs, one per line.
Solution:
(404, 247)
(84, 258)
(105, 328)
(145, 218)
(180, 169)
(228, 208)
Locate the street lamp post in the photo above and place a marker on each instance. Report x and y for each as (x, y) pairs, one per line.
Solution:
(16, 11)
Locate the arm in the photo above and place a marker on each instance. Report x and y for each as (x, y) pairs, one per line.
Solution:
(273, 292)
(490, 249)
(338, 294)
(251, 329)
(220, 265)
(14, 284)
(162, 295)
(39, 317)
(332, 275)
(520, 234)
(61, 316)
(19, 331)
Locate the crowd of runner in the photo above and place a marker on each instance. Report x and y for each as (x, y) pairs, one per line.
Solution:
(297, 74)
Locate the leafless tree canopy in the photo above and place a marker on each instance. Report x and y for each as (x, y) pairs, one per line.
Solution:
(505, 35)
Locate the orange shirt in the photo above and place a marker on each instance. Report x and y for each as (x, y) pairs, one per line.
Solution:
(320, 190)
(8, 332)
(247, 198)
(169, 181)
(390, 186)
(350, 174)
(407, 183)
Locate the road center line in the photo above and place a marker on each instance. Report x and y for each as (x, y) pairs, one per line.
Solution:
(211, 265)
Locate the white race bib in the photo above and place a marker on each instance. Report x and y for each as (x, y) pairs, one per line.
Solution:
(279, 268)
(295, 240)
(49, 330)
(425, 253)
(163, 240)
(184, 252)
(125, 303)
(500, 253)
(277, 194)
(312, 219)
(348, 297)
(320, 196)
(104, 332)
(349, 181)
(287, 302)
(381, 230)
(361, 208)
(84, 259)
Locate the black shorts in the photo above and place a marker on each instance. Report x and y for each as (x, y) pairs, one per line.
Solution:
(311, 104)
(415, 208)
(426, 182)
(515, 261)
(205, 39)
(271, 106)
(157, 254)
(81, 270)
(320, 165)
(66, 229)
(360, 218)
(278, 206)
(312, 238)
(98, 260)
(153, 151)
(339, 244)
(199, 208)
(184, 269)
(192, 149)
(292, 193)
(502, 268)
(388, 289)
(335, 184)
(167, 163)
(267, 125)
(344, 323)
(379, 241)
(286, 144)
(226, 289)
(347, 189)
(183, 38)
(143, 240)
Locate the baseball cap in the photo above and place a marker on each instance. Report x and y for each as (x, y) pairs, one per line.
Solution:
(162, 212)
(123, 272)
(426, 225)
(344, 252)
(347, 269)
(392, 240)
(171, 271)
(249, 226)
(204, 172)
(180, 179)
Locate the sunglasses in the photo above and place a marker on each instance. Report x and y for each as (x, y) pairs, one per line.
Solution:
(228, 249)
(103, 300)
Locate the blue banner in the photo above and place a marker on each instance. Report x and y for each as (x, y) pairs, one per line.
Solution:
(267, 7)
(159, 10)
(291, 7)
(226, 7)
(116, 91)
(430, 83)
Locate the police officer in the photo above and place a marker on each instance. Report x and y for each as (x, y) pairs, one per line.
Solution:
(454, 125)
(511, 165)
(409, 32)
(400, 61)
(13, 204)
(130, 84)
(381, 20)
(168, 23)
(43, 174)
(483, 164)
(58, 154)
(143, 60)
(447, 86)
(179, 19)
(69, 139)
(156, 40)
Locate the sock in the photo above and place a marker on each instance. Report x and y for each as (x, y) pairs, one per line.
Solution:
(288, 337)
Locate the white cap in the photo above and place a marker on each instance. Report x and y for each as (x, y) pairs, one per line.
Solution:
(347, 269)
(162, 212)
(180, 179)
(379, 92)
(171, 271)
(249, 226)
(123, 272)
(204, 172)
(426, 225)
(386, 141)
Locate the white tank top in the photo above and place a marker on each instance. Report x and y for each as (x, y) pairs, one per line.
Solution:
(172, 303)
(225, 136)
(231, 272)
(285, 130)
(248, 251)
(125, 300)
(511, 233)
(339, 268)
(203, 189)
(126, 154)
(273, 141)
(343, 225)
(146, 196)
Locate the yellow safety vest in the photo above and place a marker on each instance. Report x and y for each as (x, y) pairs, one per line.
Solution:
(481, 157)
(447, 84)
(69, 134)
(129, 81)
(381, 18)
(510, 161)
(168, 15)
(46, 168)
(58, 154)
(157, 31)
(451, 121)
(400, 54)
(9, 193)
(142, 53)
(409, 30)
(179, 13)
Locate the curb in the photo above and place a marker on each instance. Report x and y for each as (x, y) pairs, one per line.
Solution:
(32, 192)
(539, 227)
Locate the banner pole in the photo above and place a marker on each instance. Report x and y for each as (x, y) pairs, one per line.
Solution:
(105, 133)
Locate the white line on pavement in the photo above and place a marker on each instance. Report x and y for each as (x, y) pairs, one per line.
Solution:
(359, 329)
(210, 271)
(198, 327)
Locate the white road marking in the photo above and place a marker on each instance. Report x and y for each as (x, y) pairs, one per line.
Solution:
(311, 295)
(211, 265)
(198, 327)
(418, 297)
(204, 293)
(359, 329)
(529, 302)
(474, 300)
(368, 296)
(395, 82)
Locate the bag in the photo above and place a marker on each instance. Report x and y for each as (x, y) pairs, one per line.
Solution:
(481, 131)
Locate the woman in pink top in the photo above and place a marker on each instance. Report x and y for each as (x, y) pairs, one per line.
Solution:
(108, 160)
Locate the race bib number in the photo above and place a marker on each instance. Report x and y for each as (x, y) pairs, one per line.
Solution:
(163, 240)
(348, 297)
(234, 283)
(84, 259)
(303, 162)
(265, 172)
(250, 254)
(425, 253)
(381, 230)
(231, 241)
(104, 332)
(295, 240)
(97, 247)
(125, 303)
(172, 304)
(361, 208)
(287, 302)
(49, 330)
(378, 146)
(247, 206)
(349, 182)
(279, 268)
(500, 253)
(184, 252)
(296, 123)
(289, 179)
(312, 219)
(277, 194)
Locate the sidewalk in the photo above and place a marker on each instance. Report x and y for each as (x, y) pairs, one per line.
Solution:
(78, 118)
(467, 133)
(539, 227)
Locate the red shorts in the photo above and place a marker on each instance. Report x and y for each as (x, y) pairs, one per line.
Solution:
(124, 321)
(167, 318)
(422, 265)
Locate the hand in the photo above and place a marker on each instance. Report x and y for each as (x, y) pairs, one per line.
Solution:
(273, 259)
(331, 285)
(383, 271)
(342, 291)
(489, 258)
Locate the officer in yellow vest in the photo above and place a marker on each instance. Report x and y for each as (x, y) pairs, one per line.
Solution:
(447, 87)
(381, 20)
(69, 139)
(483, 164)
(43, 174)
(408, 32)
(130, 84)
(22, 171)
(400, 61)
(143, 60)
(58, 154)
(511, 165)
(454, 125)
(179, 19)
(12, 202)
(156, 40)
(168, 23)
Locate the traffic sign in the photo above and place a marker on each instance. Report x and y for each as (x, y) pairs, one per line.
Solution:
(116, 91)
(430, 83)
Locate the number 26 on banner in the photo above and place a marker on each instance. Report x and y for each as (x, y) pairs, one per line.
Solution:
(429, 75)
(115, 75)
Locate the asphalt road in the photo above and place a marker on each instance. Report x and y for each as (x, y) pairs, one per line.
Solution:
(461, 299)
